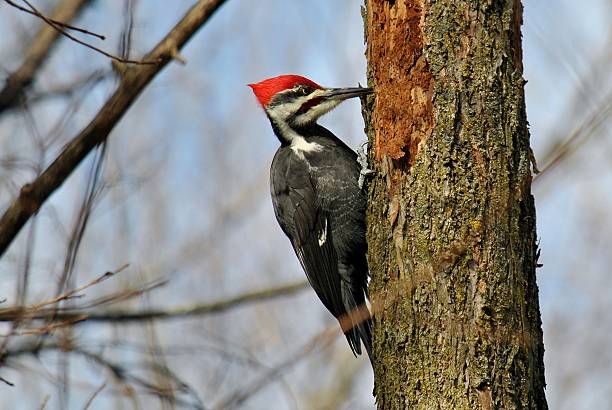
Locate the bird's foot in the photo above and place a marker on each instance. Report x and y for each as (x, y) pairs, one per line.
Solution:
(362, 159)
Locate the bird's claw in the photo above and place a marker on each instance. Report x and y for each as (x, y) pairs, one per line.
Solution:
(362, 159)
(362, 176)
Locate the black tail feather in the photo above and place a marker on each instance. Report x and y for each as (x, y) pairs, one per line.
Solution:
(361, 333)
(353, 299)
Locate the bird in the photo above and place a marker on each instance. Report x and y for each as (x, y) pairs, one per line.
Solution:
(318, 200)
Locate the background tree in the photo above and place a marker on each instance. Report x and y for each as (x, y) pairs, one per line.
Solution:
(452, 235)
(180, 194)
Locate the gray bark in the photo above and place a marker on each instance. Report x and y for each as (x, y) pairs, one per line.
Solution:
(451, 219)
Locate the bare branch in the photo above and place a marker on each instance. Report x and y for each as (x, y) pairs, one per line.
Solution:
(125, 44)
(578, 137)
(80, 224)
(238, 397)
(120, 371)
(133, 81)
(38, 51)
(121, 316)
(3, 380)
(74, 292)
(76, 40)
(56, 22)
(45, 401)
(23, 312)
(93, 396)
(66, 90)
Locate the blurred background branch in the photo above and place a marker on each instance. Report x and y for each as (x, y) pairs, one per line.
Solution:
(83, 313)
(133, 80)
(37, 52)
(181, 194)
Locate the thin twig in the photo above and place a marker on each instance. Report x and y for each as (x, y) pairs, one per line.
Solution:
(133, 80)
(46, 328)
(3, 380)
(125, 44)
(36, 53)
(43, 405)
(80, 224)
(119, 316)
(93, 396)
(63, 90)
(22, 313)
(73, 293)
(124, 373)
(238, 397)
(57, 22)
(577, 138)
(99, 50)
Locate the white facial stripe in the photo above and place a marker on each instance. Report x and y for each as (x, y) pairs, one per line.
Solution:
(279, 115)
(286, 111)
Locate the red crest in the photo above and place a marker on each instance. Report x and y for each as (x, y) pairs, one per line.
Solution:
(266, 89)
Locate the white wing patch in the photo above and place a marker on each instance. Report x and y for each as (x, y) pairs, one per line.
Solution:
(323, 234)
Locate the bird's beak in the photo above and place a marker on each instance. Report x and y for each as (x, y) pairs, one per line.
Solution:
(344, 93)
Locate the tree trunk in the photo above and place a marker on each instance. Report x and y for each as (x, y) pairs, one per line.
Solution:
(451, 219)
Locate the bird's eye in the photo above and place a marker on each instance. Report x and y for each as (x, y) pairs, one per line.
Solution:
(303, 90)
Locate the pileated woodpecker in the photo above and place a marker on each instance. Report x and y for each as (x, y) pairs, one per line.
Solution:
(317, 197)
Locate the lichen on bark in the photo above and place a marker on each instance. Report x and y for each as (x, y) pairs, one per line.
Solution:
(451, 219)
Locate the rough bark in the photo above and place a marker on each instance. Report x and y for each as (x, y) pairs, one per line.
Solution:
(451, 219)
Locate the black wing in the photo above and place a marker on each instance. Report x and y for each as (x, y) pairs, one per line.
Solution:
(307, 225)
